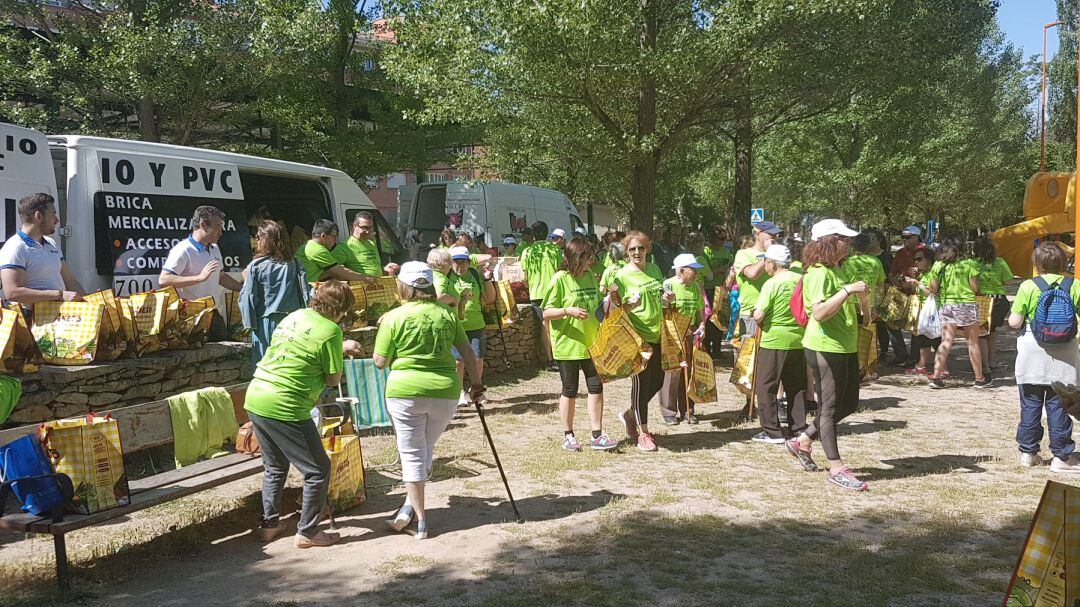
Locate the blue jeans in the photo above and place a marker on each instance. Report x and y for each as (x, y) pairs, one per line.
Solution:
(1030, 431)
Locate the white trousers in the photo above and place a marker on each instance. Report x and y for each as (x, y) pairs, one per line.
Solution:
(418, 423)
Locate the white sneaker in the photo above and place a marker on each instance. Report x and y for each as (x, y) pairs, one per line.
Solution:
(463, 400)
(1030, 460)
(1070, 464)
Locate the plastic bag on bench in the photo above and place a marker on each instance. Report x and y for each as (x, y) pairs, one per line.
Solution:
(26, 472)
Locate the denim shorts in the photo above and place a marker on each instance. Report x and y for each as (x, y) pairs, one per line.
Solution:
(477, 341)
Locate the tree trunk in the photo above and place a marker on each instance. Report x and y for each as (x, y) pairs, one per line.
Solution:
(647, 154)
(148, 123)
(345, 23)
(643, 192)
(744, 158)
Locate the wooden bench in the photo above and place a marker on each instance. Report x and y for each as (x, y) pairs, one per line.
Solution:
(141, 427)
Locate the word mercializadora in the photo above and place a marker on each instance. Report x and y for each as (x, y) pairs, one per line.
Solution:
(142, 203)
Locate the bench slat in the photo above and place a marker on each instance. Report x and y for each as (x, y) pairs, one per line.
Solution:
(20, 521)
(180, 474)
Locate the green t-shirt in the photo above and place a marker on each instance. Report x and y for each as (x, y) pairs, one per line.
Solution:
(748, 289)
(609, 274)
(365, 256)
(649, 284)
(839, 334)
(597, 269)
(796, 266)
(993, 276)
(416, 338)
(446, 285)
(866, 268)
(540, 265)
(570, 337)
(316, 259)
(689, 300)
(779, 329)
(305, 347)
(474, 313)
(1027, 295)
(925, 278)
(954, 282)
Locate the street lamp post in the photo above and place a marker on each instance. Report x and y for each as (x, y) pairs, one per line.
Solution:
(1042, 104)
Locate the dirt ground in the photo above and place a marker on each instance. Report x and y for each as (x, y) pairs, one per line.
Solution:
(711, 519)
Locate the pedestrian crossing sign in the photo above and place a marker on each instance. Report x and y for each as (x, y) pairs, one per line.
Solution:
(757, 216)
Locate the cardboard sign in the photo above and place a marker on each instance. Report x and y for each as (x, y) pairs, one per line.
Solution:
(1048, 572)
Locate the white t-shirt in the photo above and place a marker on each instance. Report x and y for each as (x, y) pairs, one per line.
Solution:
(188, 258)
(40, 260)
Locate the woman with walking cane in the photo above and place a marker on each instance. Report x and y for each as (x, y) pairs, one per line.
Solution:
(831, 344)
(683, 293)
(415, 341)
(570, 305)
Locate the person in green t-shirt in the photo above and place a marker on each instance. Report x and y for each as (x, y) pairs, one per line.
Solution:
(415, 341)
(323, 257)
(474, 292)
(830, 341)
(955, 283)
(366, 258)
(305, 356)
(637, 287)
(994, 275)
(1040, 365)
(617, 256)
(867, 268)
(749, 271)
(540, 262)
(570, 306)
(924, 260)
(719, 258)
(683, 292)
(780, 353)
(446, 285)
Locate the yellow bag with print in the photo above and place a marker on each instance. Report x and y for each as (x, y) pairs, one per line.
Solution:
(742, 372)
(868, 351)
(346, 471)
(985, 305)
(67, 332)
(503, 310)
(88, 450)
(673, 339)
(114, 337)
(192, 324)
(381, 297)
(702, 388)
(894, 306)
(721, 312)
(617, 349)
(234, 323)
(18, 349)
(358, 314)
(147, 313)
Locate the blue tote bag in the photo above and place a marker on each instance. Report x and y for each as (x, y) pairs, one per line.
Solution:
(26, 472)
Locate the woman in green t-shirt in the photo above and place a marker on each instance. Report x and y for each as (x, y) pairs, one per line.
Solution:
(616, 255)
(830, 341)
(955, 282)
(474, 292)
(924, 260)
(637, 287)
(683, 292)
(442, 269)
(994, 275)
(570, 305)
(306, 354)
(415, 340)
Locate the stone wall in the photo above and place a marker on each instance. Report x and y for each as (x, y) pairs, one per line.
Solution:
(55, 392)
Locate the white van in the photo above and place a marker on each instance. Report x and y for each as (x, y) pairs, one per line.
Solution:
(493, 209)
(123, 204)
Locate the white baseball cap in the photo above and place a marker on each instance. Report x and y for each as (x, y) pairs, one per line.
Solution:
(459, 253)
(912, 231)
(828, 227)
(778, 253)
(581, 230)
(509, 240)
(416, 274)
(686, 260)
(557, 233)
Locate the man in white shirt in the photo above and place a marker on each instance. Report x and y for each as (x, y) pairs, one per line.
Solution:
(32, 268)
(193, 266)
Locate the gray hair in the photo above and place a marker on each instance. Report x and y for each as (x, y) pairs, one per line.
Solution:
(324, 226)
(205, 214)
(616, 251)
(439, 260)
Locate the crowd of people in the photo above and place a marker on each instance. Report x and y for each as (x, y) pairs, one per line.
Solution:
(803, 301)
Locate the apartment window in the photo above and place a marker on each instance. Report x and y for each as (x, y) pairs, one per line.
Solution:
(436, 178)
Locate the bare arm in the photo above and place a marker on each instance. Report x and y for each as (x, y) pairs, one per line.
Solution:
(754, 270)
(824, 310)
(13, 281)
(488, 296)
(70, 282)
(332, 379)
(759, 316)
(380, 361)
(340, 272)
(229, 282)
(1016, 320)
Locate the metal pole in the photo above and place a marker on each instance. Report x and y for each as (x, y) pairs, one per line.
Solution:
(1076, 211)
(1042, 100)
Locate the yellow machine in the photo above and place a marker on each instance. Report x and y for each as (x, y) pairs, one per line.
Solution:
(1048, 209)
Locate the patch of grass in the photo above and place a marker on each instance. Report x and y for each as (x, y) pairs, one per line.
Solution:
(401, 564)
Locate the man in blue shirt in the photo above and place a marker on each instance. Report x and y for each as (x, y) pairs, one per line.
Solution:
(32, 267)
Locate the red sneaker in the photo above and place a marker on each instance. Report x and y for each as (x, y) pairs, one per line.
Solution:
(645, 442)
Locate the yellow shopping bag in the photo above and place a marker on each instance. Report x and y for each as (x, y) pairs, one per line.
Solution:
(868, 351)
(673, 339)
(346, 471)
(114, 337)
(742, 372)
(146, 313)
(190, 323)
(357, 317)
(702, 388)
(503, 310)
(381, 297)
(67, 332)
(88, 450)
(985, 305)
(1048, 571)
(721, 312)
(18, 349)
(617, 349)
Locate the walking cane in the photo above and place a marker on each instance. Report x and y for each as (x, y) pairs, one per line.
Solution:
(753, 373)
(498, 463)
(499, 324)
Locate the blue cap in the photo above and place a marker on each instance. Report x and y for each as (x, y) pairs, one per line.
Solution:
(767, 226)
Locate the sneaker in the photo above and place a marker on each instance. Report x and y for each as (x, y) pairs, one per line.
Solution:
(919, 372)
(671, 420)
(603, 443)
(268, 532)
(569, 443)
(985, 382)
(645, 442)
(911, 362)
(1069, 464)
(553, 366)
(402, 519)
(463, 400)
(319, 540)
(421, 530)
(803, 455)
(1031, 460)
(692, 419)
(936, 383)
(764, 437)
(847, 480)
(630, 424)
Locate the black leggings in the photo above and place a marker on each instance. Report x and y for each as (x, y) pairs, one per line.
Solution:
(645, 385)
(568, 373)
(836, 377)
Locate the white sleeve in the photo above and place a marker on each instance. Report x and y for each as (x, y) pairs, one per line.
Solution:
(12, 255)
(177, 261)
